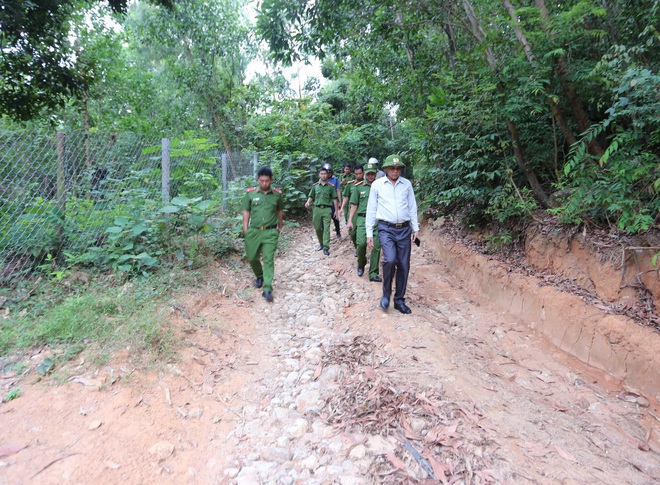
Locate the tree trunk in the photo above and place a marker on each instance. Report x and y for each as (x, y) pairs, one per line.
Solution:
(532, 179)
(562, 70)
(556, 111)
(524, 166)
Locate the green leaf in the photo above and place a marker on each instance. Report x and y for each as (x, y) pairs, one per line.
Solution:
(121, 221)
(205, 204)
(138, 229)
(181, 201)
(46, 366)
(170, 209)
(125, 267)
(113, 230)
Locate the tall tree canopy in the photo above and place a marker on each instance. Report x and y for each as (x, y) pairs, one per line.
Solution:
(37, 55)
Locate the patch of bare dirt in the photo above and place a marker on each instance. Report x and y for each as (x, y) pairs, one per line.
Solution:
(323, 387)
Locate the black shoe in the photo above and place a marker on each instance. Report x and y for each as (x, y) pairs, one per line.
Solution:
(258, 283)
(326, 252)
(338, 235)
(356, 255)
(402, 308)
(360, 271)
(320, 247)
(268, 295)
(377, 279)
(384, 303)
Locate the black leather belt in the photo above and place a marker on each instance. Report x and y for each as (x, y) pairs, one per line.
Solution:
(324, 206)
(265, 228)
(398, 225)
(364, 214)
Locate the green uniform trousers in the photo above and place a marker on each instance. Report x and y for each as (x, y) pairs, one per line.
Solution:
(264, 243)
(322, 218)
(361, 240)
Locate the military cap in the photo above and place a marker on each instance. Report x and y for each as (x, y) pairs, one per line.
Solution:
(371, 168)
(393, 161)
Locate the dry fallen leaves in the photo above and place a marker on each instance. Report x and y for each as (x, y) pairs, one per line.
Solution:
(454, 441)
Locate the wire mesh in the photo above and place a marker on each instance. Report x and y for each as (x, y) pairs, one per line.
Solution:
(59, 193)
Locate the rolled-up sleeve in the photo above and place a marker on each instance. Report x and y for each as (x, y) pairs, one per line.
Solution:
(412, 204)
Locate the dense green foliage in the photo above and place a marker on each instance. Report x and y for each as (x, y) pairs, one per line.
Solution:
(499, 107)
(506, 99)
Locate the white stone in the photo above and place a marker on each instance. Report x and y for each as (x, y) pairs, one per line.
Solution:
(308, 401)
(292, 378)
(358, 452)
(291, 364)
(298, 428)
(277, 455)
(314, 354)
(310, 463)
(162, 450)
(232, 472)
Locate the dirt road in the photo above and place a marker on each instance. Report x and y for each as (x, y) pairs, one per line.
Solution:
(322, 387)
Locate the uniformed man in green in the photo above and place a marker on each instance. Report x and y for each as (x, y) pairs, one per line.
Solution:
(347, 190)
(358, 201)
(263, 211)
(324, 197)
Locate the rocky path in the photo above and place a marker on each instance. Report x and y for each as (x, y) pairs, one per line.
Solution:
(322, 387)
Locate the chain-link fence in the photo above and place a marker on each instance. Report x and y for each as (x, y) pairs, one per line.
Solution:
(60, 192)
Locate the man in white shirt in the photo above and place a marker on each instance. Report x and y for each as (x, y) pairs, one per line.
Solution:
(393, 207)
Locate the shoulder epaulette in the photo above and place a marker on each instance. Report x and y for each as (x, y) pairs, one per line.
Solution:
(351, 181)
(317, 183)
(251, 189)
(359, 183)
(277, 190)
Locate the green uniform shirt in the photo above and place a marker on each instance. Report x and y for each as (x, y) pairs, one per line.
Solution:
(360, 196)
(323, 195)
(345, 178)
(263, 207)
(347, 190)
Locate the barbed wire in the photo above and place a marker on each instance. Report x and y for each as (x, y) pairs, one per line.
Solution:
(60, 192)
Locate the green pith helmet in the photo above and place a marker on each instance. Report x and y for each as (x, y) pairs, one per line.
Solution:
(370, 168)
(393, 161)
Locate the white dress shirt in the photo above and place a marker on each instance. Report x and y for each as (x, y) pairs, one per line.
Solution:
(390, 202)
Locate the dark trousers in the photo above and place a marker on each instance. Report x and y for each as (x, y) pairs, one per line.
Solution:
(395, 246)
(336, 221)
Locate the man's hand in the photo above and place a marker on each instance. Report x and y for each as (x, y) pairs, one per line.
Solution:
(349, 226)
(307, 205)
(370, 243)
(414, 235)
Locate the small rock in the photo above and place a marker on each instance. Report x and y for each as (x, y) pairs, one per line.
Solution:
(310, 463)
(298, 428)
(96, 424)
(195, 413)
(162, 450)
(308, 400)
(291, 364)
(358, 452)
(418, 424)
(112, 465)
(277, 455)
(643, 402)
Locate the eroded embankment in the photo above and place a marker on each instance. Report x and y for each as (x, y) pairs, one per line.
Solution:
(611, 343)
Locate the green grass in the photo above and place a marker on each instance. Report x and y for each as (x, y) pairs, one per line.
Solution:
(102, 315)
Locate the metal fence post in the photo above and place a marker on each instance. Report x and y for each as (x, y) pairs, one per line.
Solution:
(165, 171)
(61, 180)
(224, 181)
(255, 164)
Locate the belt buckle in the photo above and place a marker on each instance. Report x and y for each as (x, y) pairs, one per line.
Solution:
(398, 225)
(262, 228)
